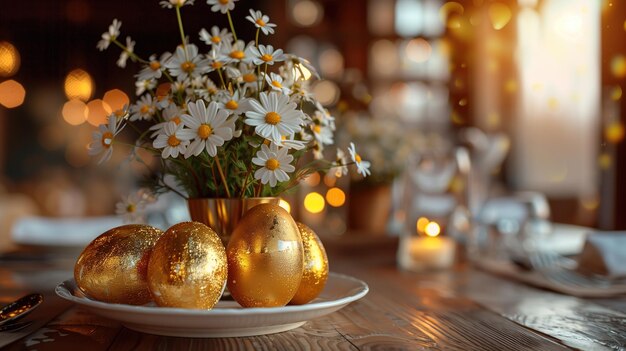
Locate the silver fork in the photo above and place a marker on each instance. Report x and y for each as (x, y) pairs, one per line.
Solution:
(559, 269)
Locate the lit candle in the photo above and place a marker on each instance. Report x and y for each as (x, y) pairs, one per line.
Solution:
(429, 252)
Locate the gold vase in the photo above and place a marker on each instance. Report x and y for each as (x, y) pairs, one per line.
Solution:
(223, 214)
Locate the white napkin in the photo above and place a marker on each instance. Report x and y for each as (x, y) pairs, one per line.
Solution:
(604, 253)
(61, 231)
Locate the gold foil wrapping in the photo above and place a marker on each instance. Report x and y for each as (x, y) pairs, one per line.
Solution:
(265, 258)
(223, 215)
(112, 268)
(315, 271)
(188, 267)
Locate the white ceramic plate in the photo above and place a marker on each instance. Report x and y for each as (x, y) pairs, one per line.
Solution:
(227, 319)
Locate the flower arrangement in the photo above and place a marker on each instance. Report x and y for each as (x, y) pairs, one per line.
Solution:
(235, 122)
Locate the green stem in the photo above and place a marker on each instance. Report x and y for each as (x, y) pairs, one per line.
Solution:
(219, 73)
(180, 28)
(132, 55)
(264, 77)
(257, 37)
(219, 168)
(232, 27)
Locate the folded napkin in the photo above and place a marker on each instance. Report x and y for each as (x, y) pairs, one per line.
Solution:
(604, 253)
(61, 231)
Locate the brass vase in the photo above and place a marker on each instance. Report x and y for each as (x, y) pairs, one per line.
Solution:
(223, 214)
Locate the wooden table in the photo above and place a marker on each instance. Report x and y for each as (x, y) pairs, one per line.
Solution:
(459, 309)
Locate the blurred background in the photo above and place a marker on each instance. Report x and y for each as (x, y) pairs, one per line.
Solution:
(521, 95)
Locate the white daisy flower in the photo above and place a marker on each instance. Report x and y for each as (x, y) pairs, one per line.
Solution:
(154, 69)
(266, 54)
(261, 21)
(248, 77)
(130, 46)
(299, 62)
(274, 117)
(143, 109)
(361, 166)
(235, 52)
(322, 134)
(171, 113)
(208, 127)
(275, 163)
(186, 62)
(182, 86)
(142, 86)
(291, 142)
(175, 3)
(221, 5)
(339, 166)
(275, 82)
(171, 141)
(110, 35)
(216, 37)
(208, 90)
(234, 104)
(103, 140)
(131, 208)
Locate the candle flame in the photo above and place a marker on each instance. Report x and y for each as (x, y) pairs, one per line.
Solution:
(432, 229)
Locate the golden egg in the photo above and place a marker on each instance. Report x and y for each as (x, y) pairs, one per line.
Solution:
(315, 271)
(188, 267)
(265, 258)
(112, 268)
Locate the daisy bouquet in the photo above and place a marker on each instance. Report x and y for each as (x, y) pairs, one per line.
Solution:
(227, 118)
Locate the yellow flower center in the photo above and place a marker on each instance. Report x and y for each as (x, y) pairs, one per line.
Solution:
(205, 131)
(224, 2)
(277, 84)
(216, 65)
(272, 164)
(317, 129)
(267, 57)
(260, 22)
(232, 105)
(272, 118)
(144, 109)
(155, 65)
(188, 66)
(173, 141)
(357, 158)
(237, 54)
(215, 39)
(107, 138)
(249, 78)
(176, 120)
(212, 90)
(130, 208)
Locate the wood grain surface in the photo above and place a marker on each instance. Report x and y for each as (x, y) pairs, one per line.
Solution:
(459, 309)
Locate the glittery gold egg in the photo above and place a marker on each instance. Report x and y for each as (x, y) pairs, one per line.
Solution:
(112, 268)
(265, 258)
(188, 267)
(315, 271)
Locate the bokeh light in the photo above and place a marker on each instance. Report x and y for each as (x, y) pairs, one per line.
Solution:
(116, 99)
(422, 222)
(500, 15)
(74, 112)
(335, 197)
(314, 202)
(450, 14)
(97, 112)
(312, 180)
(616, 93)
(9, 59)
(78, 85)
(326, 92)
(618, 66)
(331, 63)
(12, 94)
(614, 133)
(432, 229)
(284, 204)
(418, 50)
(307, 13)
